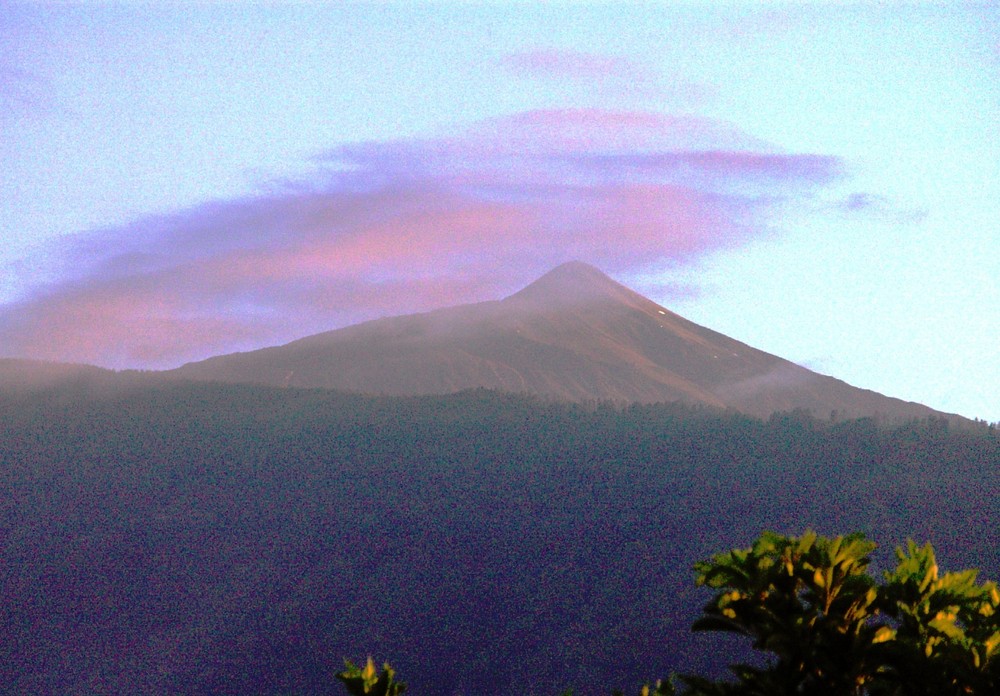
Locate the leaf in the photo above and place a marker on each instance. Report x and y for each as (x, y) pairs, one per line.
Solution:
(992, 643)
(883, 635)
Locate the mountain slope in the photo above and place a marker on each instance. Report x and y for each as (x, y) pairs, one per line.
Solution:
(574, 334)
(33, 375)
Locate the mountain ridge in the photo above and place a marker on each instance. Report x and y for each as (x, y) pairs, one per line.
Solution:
(573, 334)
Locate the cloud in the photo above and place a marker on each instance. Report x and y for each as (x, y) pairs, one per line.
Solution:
(878, 208)
(603, 76)
(565, 64)
(781, 377)
(598, 131)
(719, 169)
(384, 228)
(28, 96)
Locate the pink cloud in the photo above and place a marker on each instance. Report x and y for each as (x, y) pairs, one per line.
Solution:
(563, 64)
(397, 227)
(117, 326)
(594, 130)
(607, 77)
(655, 221)
(425, 230)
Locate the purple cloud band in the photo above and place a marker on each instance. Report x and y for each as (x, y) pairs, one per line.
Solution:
(395, 227)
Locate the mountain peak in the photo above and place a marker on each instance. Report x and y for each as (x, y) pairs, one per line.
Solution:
(577, 272)
(572, 282)
(576, 268)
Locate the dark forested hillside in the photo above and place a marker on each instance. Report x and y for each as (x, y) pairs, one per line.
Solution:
(196, 538)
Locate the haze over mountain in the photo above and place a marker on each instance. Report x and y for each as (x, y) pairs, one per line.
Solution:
(574, 334)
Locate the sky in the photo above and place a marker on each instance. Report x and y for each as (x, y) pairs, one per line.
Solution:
(820, 181)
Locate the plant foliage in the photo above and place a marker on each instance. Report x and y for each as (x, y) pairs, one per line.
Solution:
(367, 681)
(831, 628)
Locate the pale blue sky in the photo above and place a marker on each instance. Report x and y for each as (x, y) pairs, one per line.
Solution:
(821, 181)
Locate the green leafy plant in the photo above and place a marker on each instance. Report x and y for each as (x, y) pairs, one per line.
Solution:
(367, 681)
(947, 639)
(830, 628)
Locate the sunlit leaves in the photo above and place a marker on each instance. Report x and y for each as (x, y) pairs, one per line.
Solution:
(367, 681)
(949, 619)
(831, 628)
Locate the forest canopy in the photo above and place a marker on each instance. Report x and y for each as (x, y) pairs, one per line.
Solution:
(239, 539)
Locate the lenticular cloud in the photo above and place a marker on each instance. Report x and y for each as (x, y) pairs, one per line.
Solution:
(392, 227)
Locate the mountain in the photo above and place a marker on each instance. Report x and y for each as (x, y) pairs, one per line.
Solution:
(34, 375)
(574, 334)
